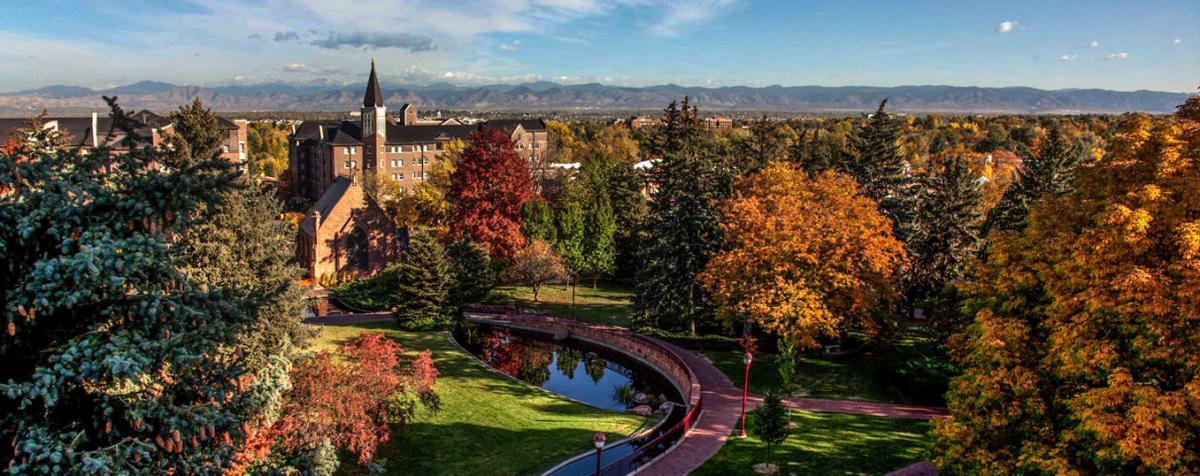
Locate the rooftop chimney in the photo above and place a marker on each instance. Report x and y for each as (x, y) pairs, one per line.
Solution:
(95, 125)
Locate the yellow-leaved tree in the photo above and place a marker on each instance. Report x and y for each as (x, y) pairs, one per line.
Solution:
(1084, 355)
(805, 256)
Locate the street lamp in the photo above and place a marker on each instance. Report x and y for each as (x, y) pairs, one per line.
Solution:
(574, 281)
(745, 387)
(598, 440)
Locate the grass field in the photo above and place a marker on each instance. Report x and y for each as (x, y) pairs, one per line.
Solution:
(828, 443)
(488, 424)
(608, 303)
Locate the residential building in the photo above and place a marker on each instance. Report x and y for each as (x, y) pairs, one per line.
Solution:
(87, 133)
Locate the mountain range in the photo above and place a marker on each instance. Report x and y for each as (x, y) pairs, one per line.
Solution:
(549, 96)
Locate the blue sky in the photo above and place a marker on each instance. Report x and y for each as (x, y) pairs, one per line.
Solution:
(1123, 45)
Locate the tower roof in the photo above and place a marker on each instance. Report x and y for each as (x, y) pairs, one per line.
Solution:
(374, 96)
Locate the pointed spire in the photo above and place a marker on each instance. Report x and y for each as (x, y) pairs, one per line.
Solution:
(374, 96)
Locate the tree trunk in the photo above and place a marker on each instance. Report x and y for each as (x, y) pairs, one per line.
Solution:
(535, 289)
(594, 279)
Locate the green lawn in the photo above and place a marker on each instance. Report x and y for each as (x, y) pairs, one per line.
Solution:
(608, 303)
(844, 377)
(488, 424)
(829, 443)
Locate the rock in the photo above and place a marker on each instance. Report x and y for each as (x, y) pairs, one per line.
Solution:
(766, 468)
(664, 409)
(641, 398)
(641, 410)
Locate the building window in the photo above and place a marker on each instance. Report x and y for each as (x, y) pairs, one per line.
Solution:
(398, 176)
(346, 164)
(350, 150)
(242, 147)
(225, 149)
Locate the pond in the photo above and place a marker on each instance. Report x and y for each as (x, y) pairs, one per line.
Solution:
(572, 368)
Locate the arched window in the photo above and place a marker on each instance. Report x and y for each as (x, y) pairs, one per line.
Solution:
(357, 247)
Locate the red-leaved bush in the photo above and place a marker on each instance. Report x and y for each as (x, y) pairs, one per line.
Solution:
(352, 397)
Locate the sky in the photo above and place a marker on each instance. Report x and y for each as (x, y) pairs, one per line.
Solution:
(1051, 44)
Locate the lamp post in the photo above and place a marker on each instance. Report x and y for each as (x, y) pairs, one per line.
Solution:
(574, 280)
(745, 386)
(598, 440)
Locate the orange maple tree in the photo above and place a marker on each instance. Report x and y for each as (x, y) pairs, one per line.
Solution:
(1083, 355)
(804, 255)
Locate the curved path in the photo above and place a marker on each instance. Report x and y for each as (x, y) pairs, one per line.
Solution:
(722, 406)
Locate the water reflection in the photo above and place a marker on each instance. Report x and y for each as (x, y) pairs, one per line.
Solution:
(612, 381)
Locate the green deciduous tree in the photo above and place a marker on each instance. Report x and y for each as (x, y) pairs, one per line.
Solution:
(539, 220)
(423, 285)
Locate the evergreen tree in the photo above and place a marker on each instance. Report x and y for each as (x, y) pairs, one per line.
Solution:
(768, 142)
(194, 136)
(538, 219)
(771, 422)
(114, 358)
(1049, 173)
(472, 271)
(882, 171)
(682, 231)
(423, 285)
(947, 235)
(816, 151)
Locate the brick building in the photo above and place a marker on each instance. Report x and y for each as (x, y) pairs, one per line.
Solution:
(347, 233)
(401, 147)
(86, 133)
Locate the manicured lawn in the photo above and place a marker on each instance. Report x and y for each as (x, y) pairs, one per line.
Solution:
(844, 377)
(829, 443)
(488, 424)
(608, 304)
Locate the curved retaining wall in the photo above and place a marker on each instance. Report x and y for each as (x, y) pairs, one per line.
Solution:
(644, 348)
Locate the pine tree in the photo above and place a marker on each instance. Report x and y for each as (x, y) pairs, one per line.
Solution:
(194, 136)
(947, 236)
(472, 271)
(423, 285)
(115, 360)
(1049, 173)
(771, 422)
(682, 231)
(768, 142)
(883, 172)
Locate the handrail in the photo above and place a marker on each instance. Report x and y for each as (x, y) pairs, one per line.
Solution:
(637, 345)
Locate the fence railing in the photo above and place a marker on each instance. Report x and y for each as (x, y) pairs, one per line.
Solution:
(647, 348)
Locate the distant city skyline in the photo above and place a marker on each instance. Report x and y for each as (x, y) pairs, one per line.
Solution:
(1152, 45)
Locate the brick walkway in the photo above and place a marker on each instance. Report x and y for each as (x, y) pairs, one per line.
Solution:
(722, 408)
(339, 319)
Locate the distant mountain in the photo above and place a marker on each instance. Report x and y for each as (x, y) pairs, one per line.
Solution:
(545, 96)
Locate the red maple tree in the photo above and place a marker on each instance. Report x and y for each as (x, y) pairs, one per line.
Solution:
(488, 187)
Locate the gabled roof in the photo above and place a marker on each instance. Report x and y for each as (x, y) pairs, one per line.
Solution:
(510, 125)
(374, 95)
(325, 204)
(399, 134)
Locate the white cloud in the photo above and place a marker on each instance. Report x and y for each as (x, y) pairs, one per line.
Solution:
(1006, 26)
(679, 14)
(1067, 57)
(511, 46)
(1177, 41)
(1118, 56)
(1094, 44)
(304, 68)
